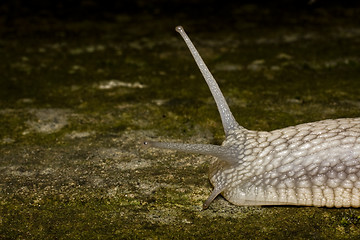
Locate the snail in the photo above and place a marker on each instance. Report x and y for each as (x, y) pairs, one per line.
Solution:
(311, 164)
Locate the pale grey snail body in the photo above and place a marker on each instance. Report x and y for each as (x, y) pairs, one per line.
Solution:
(312, 164)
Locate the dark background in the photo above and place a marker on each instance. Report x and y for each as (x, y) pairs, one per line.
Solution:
(96, 9)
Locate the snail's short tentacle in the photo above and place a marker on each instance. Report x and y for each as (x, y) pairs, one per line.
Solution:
(212, 196)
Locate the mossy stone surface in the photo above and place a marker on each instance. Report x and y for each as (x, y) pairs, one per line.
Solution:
(79, 95)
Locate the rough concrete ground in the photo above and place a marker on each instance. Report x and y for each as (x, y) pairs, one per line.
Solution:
(79, 95)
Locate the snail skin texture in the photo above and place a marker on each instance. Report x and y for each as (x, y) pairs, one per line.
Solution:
(311, 164)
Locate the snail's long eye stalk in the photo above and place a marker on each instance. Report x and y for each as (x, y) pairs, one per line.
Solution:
(228, 120)
(226, 154)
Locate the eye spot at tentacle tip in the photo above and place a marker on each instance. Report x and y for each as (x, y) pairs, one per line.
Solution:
(179, 29)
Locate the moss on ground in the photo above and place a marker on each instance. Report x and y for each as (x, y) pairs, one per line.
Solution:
(71, 161)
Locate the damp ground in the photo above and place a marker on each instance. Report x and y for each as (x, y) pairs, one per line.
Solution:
(80, 93)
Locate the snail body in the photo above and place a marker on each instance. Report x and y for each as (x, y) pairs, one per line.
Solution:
(311, 164)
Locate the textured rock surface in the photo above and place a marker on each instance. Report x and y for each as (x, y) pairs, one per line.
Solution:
(71, 165)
